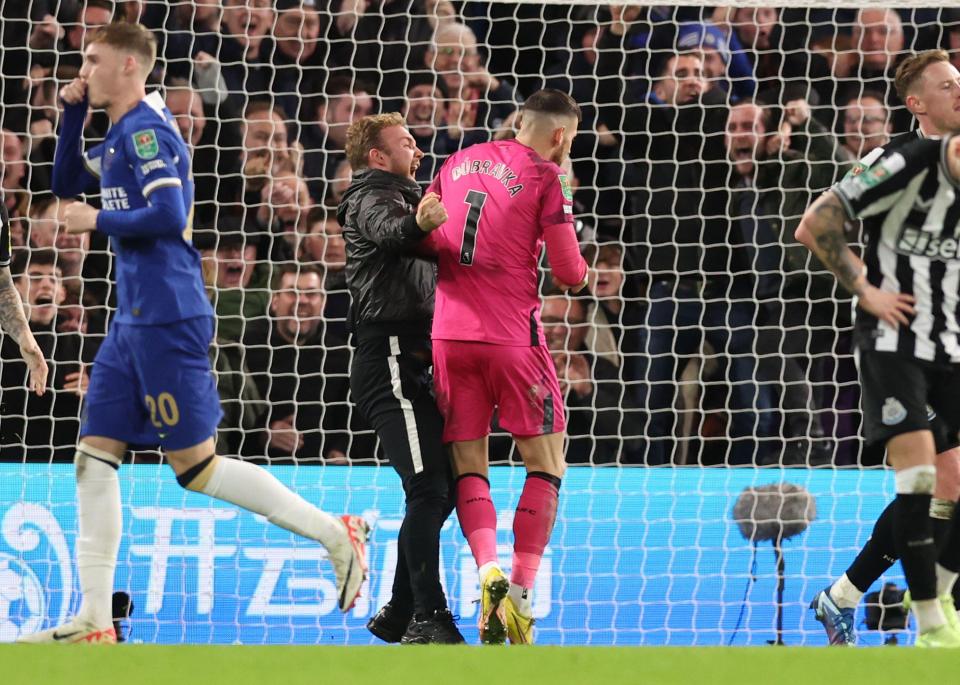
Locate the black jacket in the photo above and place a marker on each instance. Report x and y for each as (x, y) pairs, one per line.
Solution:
(392, 288)
(44, 427)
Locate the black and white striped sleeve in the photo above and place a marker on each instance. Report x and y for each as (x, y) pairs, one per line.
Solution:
(875, 190)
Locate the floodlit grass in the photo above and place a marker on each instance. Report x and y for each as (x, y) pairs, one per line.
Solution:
(247, 665)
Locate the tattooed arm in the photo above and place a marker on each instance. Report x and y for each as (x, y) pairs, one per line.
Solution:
(14, 323)
(822, 231)
(823, 223)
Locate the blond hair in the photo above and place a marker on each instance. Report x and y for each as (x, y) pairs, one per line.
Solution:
(364, 135)
(912, 68)
(132, 38)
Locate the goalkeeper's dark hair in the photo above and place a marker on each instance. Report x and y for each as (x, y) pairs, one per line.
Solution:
(911, 70)
(135, 38)
(553, 102)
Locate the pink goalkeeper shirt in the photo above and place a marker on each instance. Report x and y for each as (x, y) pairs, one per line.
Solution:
(503, 202)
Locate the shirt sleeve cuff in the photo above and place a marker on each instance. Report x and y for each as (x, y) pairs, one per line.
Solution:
(847, 207)
(411, 229)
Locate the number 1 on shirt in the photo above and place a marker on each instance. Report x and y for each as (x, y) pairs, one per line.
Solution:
(475, 199)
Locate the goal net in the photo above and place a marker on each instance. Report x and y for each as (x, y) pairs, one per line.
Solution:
(710, 354)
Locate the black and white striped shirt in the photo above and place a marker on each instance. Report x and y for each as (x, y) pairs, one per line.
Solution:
(910, 209)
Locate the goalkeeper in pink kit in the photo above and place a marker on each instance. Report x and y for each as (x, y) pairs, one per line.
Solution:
(504, 200)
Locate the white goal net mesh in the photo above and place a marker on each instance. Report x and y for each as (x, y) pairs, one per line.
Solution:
(708, 338)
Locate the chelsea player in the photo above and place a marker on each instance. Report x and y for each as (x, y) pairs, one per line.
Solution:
(151, 380)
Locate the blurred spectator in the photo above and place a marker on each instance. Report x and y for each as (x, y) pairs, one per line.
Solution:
(878, 44)
(757, 35)
(186, 105)
(344, 101)
(244, 25)
(216, 174)
(264, 144)
(342, 176)
(323, 247)
(43, 117)
(878, 36)
(301, 371)
(800, 132)
(239, 284)
(73, 317)
(264, 137)
(730, 72)
(46, 231)
(425, 111)
(47, 426)
(282, 212)
(674, 144)
(238, 291)
(244, 409)
(612, 310)
(866, 124)
(385, 40)
(298, 55)
(480, 102)
(14, 166)
(43, 109)
(56, 45)
(771, 187)
(950, 39)
(595, 397)
(188, 42)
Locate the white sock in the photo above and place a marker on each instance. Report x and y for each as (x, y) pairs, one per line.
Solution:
(845, 594)
(486, 567)
(255, 489)
(522, 598)
(929, 614)
(98, 541)
(945, 581)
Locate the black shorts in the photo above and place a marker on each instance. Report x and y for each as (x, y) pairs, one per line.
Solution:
(900, 395)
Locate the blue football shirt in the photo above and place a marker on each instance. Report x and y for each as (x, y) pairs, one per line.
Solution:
(158, 274)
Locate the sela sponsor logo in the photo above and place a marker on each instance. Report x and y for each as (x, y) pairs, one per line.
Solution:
(916, 242)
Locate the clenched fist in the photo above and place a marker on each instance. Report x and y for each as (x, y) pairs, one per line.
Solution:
(80, 218)
(431, 213)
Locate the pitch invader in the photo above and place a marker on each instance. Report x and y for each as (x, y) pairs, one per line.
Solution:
(911, 217)
(929, 85)
(151, 381)
(504, 200)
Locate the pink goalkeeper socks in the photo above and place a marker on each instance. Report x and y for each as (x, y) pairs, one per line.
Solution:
(532, 526)
(478, 518)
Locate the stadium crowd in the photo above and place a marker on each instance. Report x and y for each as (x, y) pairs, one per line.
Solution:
(706, 335)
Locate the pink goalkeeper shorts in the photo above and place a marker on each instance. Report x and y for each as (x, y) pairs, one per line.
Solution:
(472, 379)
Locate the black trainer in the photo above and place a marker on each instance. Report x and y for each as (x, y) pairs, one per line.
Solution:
(390, 623)
(438, 628)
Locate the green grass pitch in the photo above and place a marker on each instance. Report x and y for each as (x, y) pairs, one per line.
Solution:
(246, 665)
